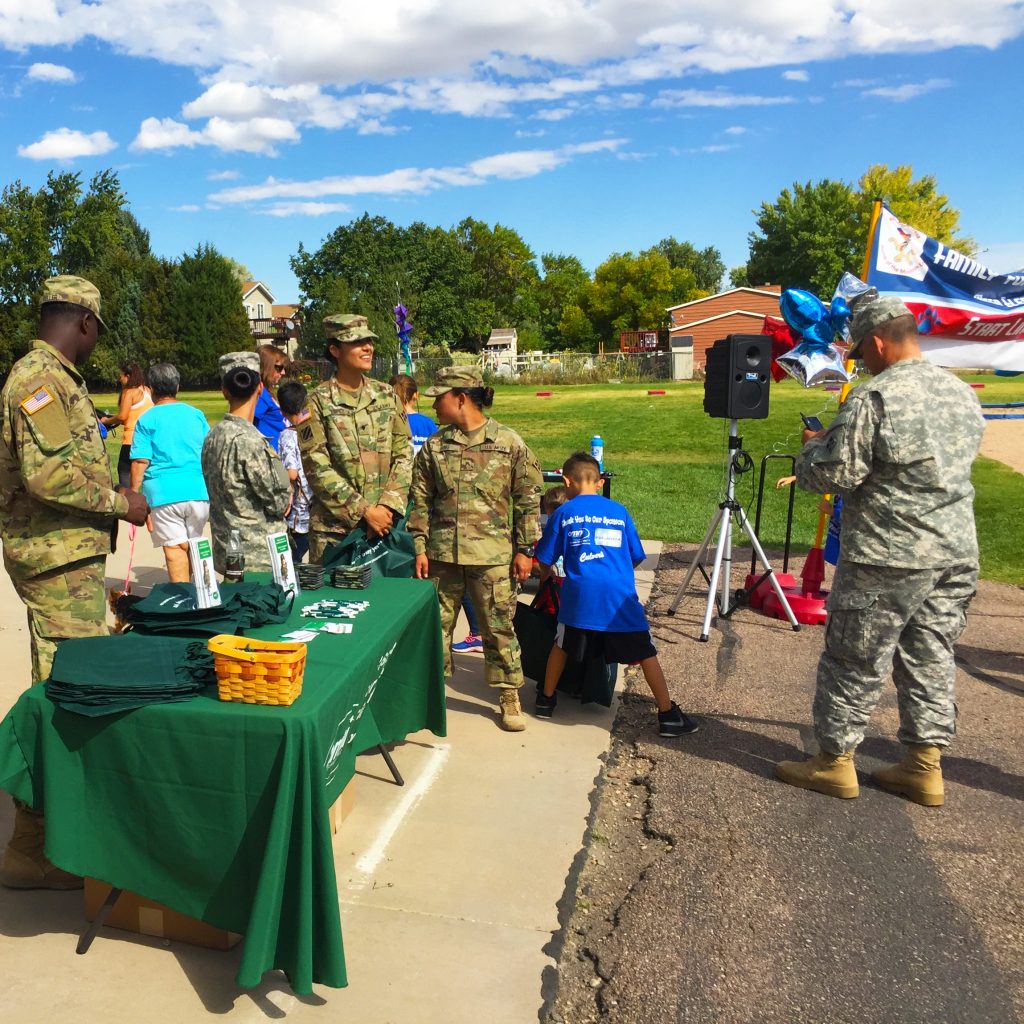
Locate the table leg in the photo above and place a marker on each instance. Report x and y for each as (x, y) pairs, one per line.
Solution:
(389, 761)
(101, 915)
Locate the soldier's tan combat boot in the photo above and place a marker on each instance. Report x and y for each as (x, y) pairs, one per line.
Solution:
(512, 717)
(25, 866)
(833, 775)
(918, 776)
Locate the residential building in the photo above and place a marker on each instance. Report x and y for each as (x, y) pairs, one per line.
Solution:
(697, 325)
(271, 322)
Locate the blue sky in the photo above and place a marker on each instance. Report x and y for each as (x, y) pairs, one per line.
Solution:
(590, 126)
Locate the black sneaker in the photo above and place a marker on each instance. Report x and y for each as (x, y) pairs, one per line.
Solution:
(545, 706)
(674, 723)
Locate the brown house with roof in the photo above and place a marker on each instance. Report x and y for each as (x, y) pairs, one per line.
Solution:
(736, 311)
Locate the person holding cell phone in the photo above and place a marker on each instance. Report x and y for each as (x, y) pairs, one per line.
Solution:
(899, 453)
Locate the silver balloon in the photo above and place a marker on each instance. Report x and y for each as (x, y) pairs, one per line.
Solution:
(812, 365)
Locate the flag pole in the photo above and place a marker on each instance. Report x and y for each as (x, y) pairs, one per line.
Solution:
(814, 568)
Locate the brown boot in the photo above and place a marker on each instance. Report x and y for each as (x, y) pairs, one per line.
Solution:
(25, 865)
(833, 775)
(918, 776)
(512, 718)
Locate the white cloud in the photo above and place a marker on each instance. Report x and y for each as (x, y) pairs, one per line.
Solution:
(255, 135)
(51, 73)
(909, 90)
(417, 180)
(165, 133)
(68, 144)
(301, 209)
(669, 98)
(555, 113)
(736, 129)
(186, 208)
(223, 176)
(717, 147)
(344, 65)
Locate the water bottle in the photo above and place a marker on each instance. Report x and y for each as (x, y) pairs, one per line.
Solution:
(234, 561)
(597, 449)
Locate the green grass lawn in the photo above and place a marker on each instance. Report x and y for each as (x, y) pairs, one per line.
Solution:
(669, 457)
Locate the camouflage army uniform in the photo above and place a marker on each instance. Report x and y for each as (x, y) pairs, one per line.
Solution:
(356, 452)
(57, 501)
(472, 504)
(900, 453)
(249, 490)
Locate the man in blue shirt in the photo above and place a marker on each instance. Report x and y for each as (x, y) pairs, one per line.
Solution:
(600, 615)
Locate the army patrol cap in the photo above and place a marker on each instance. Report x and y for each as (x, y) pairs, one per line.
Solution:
(455, 377)
(76, 290)
(228, 361)
(869, 311)
(347, 327)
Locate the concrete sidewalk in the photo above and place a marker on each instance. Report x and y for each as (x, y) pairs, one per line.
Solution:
(450, 887)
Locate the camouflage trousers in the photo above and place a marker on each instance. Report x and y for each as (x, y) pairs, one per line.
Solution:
(882, 618)
(63, 603)
(493, 595)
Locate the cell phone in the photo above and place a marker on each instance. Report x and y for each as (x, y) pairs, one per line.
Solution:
(811, 422)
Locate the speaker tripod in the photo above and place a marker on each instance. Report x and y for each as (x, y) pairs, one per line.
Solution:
(722, 566)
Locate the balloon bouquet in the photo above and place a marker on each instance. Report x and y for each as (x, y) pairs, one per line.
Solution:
(404, 331)
(804, 345)
(816, 358)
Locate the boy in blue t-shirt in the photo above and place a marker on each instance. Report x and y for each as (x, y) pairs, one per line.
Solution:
(600, 615)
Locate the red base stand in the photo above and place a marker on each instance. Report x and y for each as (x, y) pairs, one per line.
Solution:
(807, 600)
(809, 611)
(757, 596)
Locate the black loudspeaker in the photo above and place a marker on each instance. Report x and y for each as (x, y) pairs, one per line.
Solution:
(737, 375)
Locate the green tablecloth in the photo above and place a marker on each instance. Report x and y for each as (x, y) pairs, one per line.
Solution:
(219, 810)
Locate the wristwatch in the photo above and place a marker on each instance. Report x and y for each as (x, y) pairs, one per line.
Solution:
(528, 551)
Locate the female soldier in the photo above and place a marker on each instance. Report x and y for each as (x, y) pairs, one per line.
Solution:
(356, 448)
(475, 518)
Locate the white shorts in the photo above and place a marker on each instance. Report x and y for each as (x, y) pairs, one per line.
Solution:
(177, 522)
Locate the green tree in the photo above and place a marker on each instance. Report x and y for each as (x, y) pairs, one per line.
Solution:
(706, 264)
(738, 277)
(206, 315)
(807, 238)
(916, 202)
(633, 292)
(503, 274)
(564, 284)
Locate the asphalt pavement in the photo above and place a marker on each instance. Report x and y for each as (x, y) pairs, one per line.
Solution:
(711, 892)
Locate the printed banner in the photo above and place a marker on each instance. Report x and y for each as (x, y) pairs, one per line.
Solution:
(967, 315)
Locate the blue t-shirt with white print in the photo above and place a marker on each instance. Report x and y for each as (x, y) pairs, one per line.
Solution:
(599, 544)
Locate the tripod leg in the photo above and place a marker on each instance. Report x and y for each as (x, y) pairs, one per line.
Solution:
(716, 571)
(776, 586)
(698, 559)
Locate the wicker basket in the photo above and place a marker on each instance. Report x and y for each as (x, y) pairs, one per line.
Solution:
(257, 671)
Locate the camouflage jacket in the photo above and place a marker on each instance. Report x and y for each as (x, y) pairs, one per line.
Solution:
(900, 453)
(356, 452)
(471, 504)
(249, 490)
(57, 497)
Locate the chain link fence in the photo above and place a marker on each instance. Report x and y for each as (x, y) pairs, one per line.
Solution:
(532, 368)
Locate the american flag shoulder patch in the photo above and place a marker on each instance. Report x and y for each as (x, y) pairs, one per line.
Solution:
(39, 399)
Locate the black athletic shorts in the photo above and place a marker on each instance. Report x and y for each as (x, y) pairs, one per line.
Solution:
(614, 648)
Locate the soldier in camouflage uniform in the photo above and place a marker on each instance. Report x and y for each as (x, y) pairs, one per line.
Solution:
(356, 447)
(475, 519)
(249, 487)
(900, 453)
(58, 505)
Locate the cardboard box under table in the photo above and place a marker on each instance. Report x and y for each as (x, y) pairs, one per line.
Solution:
(220, 810)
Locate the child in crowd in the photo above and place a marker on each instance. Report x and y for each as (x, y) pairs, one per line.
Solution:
(294, 402)
(552, 499)
(600, 615)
